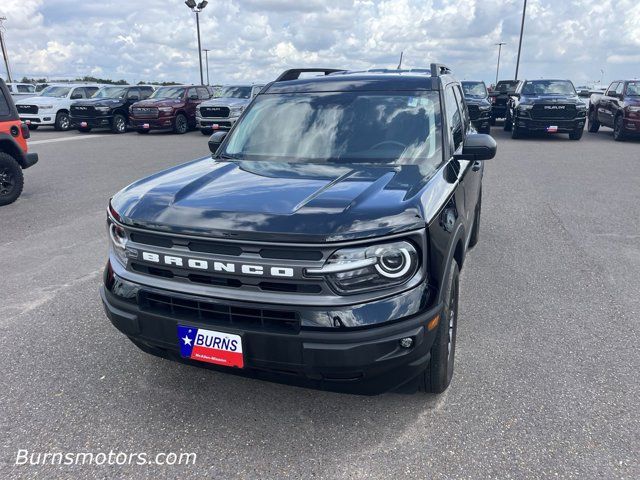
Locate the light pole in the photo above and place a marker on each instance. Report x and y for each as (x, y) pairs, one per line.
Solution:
(500, 44)
(206, 61)
(197, 8)
(3, 47)
(524, 11)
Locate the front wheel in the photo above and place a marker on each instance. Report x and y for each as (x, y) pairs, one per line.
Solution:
(181, 125)
(437, 377)
(63, 123)
(576, 134)
(618, 129)
(508, 125)
(516, 132)
(594, 124)
(119, 123)
(11, 179)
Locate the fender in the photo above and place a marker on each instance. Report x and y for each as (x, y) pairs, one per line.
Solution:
(9, 144)
(458, 237)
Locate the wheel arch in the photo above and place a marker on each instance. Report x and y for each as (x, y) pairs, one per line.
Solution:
(11, 147)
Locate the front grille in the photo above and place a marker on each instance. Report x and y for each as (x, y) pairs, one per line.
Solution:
(553, 112)
(214, 112)
(29, 109)
(145, 112)
(82, 111)
(474, 111)
(218, 314)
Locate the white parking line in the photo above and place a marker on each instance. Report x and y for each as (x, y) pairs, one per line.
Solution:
(65, 139)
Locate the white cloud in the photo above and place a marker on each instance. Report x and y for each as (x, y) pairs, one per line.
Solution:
(256, 39)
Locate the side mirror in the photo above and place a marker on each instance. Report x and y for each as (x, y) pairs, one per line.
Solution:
(216, 140)
(478, 146)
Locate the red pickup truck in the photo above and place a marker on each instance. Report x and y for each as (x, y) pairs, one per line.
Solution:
(13, 149)
(617, 108)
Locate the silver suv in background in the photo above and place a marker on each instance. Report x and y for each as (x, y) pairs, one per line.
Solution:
(222, 111)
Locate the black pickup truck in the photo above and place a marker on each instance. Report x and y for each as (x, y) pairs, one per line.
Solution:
(320, 244)
(550, 106)
(108, 108)
(499, 97)
(477, 98)
(617, 108)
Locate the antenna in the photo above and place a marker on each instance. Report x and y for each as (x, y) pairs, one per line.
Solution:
(400, 64)
(4, 49)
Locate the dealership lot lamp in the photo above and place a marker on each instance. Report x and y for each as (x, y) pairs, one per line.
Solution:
(197, 8)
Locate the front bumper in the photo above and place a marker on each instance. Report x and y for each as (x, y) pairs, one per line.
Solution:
(160, 123)
(563, 126)
(358, 360)
(223, 123)
(632, 125)
(91, 122)
(39, 118)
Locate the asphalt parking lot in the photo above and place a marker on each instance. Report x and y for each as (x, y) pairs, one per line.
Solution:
(547, 362)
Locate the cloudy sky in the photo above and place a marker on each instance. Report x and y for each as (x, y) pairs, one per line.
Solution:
(256, 39)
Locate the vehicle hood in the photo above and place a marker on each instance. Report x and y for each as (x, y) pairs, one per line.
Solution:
(160, 102)
(552, 99)
(99, 102)
(40, 100)
(225, 102)
(477, 101)
(276, 200)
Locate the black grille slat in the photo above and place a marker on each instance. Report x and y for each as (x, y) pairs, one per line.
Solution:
(29, 109)
(214, 112)
(145, 112)
(220, 249)
(543, 112)
(290, 254)
(219, 314)
(156, 240)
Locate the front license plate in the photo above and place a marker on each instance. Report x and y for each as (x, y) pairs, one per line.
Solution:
(210, 346)
(83, 124)
(552, 129)
(28, 122)
(145, 126)
(215, 126)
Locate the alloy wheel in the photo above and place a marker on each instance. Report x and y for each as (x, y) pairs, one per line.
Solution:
(7, 182)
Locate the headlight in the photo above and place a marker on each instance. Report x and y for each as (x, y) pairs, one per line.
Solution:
(361, 269)
(485, 108)
(166, 109)
(236, 111)
(118, 242)
(633, 109)
(524, 107)
(45, 107)
(102, 109)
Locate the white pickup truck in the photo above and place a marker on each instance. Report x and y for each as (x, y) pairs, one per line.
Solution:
(51, 107)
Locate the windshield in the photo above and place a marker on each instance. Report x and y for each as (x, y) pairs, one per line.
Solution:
(169, 92)
(474, 89)
(110, 92)
(633, 89)
(233, 92)
(341, 127)
(55, 91)
(548, 87)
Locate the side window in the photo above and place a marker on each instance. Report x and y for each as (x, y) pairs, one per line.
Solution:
(620, 88)
(463, 107)
(191, 92)
(77, 93)
(454, 118)
(133, 93)
(145, 93)
(4, 105)
(25, 89)
(90, 91)
(612, 88)
(203, 93)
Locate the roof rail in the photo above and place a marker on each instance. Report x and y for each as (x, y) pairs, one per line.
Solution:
(438, 69)
(294, 73)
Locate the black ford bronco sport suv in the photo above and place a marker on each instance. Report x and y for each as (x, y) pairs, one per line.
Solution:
(321, 243)
(108, 108)
(550, 106)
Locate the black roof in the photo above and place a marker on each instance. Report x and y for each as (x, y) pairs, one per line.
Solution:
(363, 80)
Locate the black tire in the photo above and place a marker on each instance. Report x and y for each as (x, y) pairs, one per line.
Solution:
(206, 131)
(180, 124)
(118, 123)
(594, 124)
(576, 134)
(32, 126)
(475, 233)
(63, 123)
(143, 131)
(11, 179)
(437, 376)
(516, 132)
(492, 121)
(84, 129)
(507, 123)
(618, 129)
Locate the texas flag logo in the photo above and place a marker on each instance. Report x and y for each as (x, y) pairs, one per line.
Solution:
(211, 347)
